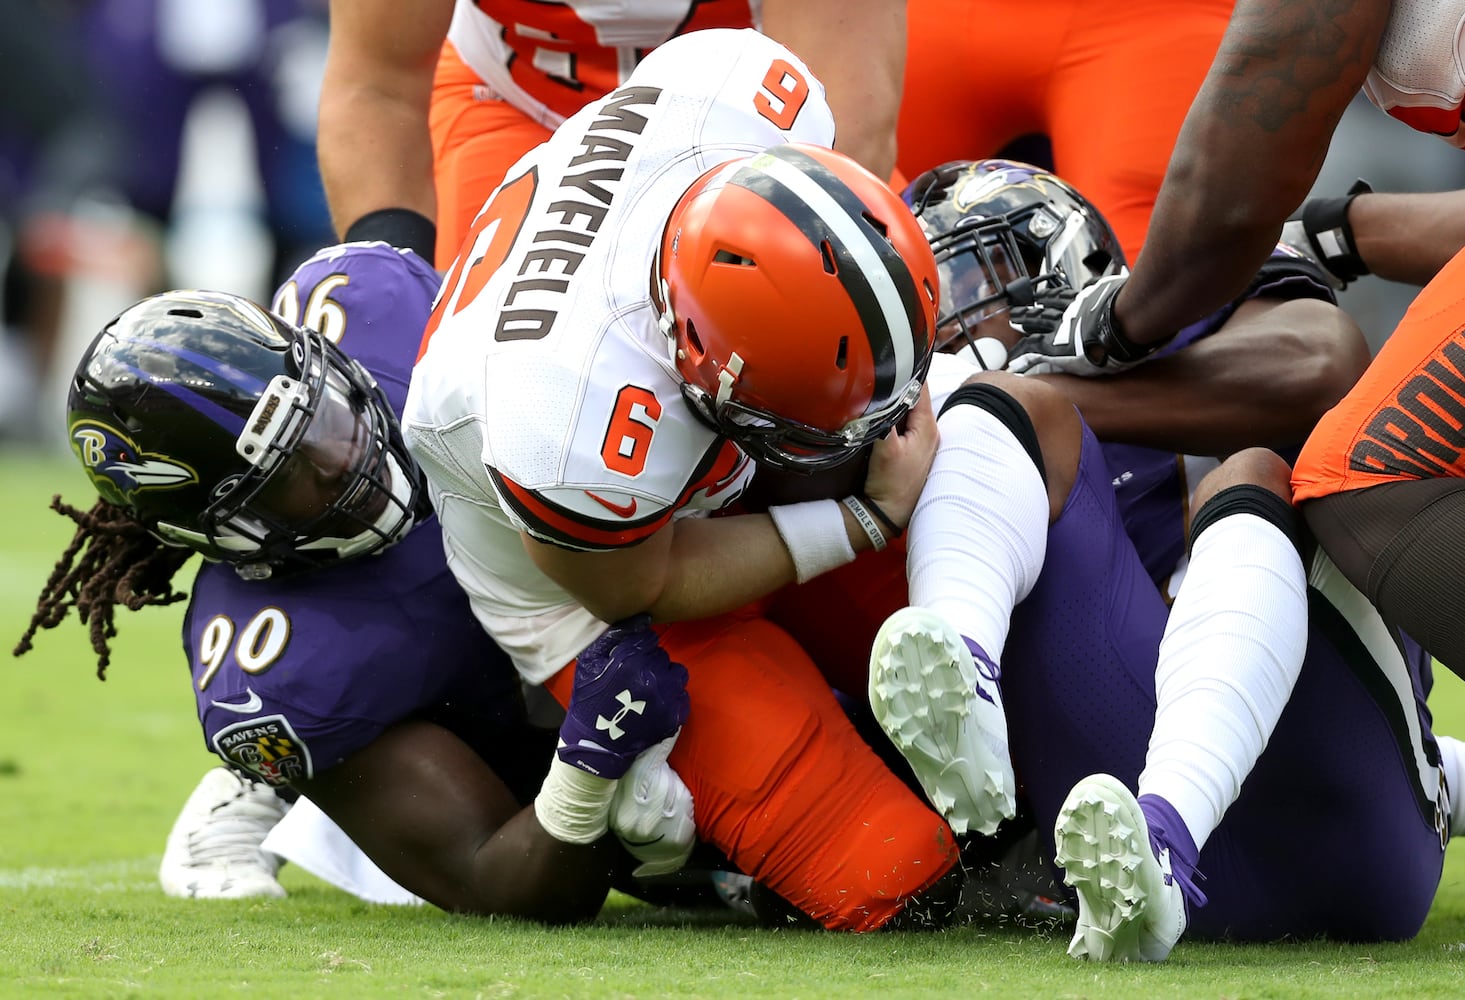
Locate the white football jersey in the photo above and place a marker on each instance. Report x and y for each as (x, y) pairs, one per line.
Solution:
(1418, 75)
(546, 57)
(546, 400)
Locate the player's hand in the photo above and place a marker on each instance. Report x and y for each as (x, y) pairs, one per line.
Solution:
(651, 813)
(628, 696)
(1074, 334)
(900, 462)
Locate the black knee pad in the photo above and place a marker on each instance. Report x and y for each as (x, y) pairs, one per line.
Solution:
(1248, 498)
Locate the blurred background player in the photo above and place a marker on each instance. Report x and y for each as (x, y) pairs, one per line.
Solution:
(59, 200)
(258, 62)
(332, 653)
(425, 108)
(185, 157)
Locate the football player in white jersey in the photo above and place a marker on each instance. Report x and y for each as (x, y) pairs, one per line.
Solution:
(684, 284)
(488, 80)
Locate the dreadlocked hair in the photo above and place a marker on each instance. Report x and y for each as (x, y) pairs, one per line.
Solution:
(111, 560)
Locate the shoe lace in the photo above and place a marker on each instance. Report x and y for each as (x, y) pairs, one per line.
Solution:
(1181, 872)
(234, 829)
(987, 669)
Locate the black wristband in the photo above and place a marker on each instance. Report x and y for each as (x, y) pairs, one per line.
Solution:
(400, 227)
(874, 508)
(1109, 340)
(1326, 223)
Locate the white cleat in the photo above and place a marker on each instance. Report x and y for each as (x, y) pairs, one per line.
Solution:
(927, 696)
(213, 849)
(1127, 912)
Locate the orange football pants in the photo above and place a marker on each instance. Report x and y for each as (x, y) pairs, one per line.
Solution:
(476, 138)
(1109, 84)
(782, 782)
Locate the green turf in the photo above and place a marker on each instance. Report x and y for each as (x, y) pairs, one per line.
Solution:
(92, 774)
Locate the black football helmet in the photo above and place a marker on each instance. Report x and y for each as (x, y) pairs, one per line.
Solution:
(223, 429)
(1000, 230)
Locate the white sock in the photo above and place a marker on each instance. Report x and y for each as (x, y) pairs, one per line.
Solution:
(1231, 654)
(978, 536)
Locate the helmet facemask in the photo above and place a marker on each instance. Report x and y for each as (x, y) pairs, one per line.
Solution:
(329, 479)
(1002, 232)
(983, 275)
(790, 446)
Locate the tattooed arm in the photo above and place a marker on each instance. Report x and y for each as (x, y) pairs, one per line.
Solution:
(1248, 153)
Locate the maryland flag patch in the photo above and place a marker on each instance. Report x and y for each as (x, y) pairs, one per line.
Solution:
(267, 748)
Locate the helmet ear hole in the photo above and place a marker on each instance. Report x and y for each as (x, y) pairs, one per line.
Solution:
(841, 358)
(695, 342)
(728, 257)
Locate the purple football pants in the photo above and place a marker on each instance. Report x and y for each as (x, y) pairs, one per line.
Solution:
(1336, 831)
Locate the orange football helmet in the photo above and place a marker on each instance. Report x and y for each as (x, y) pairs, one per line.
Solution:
(798, 295)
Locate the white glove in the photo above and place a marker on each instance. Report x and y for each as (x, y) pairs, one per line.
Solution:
(651, 812)
(1074, 334)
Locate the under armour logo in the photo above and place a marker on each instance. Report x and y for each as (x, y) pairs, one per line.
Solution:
(612, 725)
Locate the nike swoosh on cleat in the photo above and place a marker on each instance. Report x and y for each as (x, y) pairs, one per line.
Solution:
(624, 510)
(253, 704)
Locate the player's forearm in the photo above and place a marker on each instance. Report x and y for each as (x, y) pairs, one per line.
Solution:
(694, 568)
(1408, 237)
(375, 153)
(1248, 153)
(720, 564)
(1199, 254)
(372, 139)
(1300, 357)
(857, 50)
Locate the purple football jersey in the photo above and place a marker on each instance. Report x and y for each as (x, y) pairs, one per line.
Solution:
(293, 674)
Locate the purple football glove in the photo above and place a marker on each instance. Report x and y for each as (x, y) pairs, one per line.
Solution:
(628, 697)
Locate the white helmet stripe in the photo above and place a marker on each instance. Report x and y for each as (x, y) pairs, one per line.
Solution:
(857, 243)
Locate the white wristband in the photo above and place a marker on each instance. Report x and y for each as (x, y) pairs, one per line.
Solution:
(815, 536)
(867, 521)
(573, 805)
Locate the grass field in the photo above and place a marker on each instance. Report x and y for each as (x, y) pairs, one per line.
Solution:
(92, 775)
